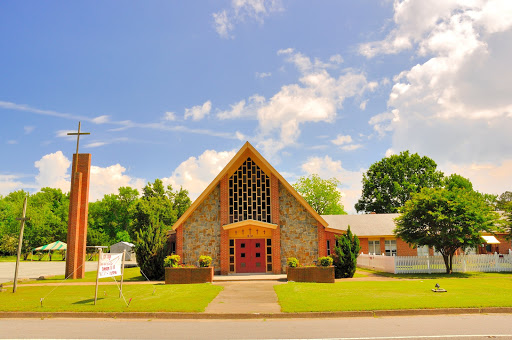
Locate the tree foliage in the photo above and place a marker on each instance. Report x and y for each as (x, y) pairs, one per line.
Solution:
(504, 201)
(345, 255)
(389, 183)
(447, 219)
(151, 250)
(321, 194)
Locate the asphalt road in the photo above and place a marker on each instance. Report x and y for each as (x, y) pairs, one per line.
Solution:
(481, 326)
(35, 269)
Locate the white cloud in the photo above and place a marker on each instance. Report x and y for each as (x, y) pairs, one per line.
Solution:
(53, 171)
(12, 142)
(109, 179)
(363, 104)
(350, 187)
(9, 183)
(28, 129)
(101, 119)
(262, 75)
(196, 173)
(340, 140)
(199, 112)
(95, 144)
(171, 116)
(486, 177)
(64, 133)
(240, 11)
(455, 105)
(243, 108)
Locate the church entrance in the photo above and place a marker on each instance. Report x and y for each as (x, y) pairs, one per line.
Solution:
(250, 256)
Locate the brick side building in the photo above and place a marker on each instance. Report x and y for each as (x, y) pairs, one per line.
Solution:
(375, 233)
(250, 220)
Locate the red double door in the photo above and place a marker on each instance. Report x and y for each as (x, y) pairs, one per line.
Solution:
(250, 256)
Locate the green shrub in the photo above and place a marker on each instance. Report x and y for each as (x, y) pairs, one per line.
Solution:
(205, 261)
(292, 262)
(325, 261)
(345, 255)
(150, 250)
(172, 261)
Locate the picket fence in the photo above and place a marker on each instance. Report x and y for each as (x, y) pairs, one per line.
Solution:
(435, 264)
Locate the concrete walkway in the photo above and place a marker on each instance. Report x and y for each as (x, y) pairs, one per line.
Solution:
(254, 296)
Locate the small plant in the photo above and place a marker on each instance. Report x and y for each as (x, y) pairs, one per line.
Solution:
(292, 262)
(325, 261)
(205, 261)
(172, 261)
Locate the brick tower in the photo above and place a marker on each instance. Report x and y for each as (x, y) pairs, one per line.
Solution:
(78, 212)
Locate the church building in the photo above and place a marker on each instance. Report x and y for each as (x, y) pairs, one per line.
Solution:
(250, 220)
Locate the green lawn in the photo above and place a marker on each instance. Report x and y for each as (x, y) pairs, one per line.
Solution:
(145, 297)
(400, 294)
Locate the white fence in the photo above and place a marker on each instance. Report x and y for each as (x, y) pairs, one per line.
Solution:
(435, 264)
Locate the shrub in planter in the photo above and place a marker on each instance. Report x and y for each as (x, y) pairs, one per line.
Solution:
(325, 261)
(205, 261)
(292, 262)
(172, 261)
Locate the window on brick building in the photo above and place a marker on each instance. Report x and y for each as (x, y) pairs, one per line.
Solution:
(374, 247)
(249, 194)
(328, 248)
(423, 251)
(390, 246)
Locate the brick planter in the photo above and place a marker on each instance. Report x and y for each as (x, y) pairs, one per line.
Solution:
(311, 274)
(188, 275)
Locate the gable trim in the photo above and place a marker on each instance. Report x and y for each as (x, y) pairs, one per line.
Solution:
(247, 150)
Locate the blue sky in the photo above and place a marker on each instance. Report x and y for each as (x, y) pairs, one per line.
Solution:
(173, 89)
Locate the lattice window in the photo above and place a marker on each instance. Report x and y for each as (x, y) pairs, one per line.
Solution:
(249, 194)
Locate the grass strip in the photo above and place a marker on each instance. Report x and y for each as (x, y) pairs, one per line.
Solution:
(384, 295)
(144, 298)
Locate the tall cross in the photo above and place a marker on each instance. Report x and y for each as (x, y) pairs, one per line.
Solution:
(77, 134)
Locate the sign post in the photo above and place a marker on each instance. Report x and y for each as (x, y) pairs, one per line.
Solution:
(109, 265)
(122, 274)
(20, 244)
(97, 276)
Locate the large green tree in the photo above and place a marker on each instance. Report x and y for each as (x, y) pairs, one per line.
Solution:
(321, 194)
(504, 200)
(112, 217)
(390, 182)
(447, 219)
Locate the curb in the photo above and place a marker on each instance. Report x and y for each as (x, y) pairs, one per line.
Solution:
(246, 316)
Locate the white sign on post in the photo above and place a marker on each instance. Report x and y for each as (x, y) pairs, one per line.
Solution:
(110, 265)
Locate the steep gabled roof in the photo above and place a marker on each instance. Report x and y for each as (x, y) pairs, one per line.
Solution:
(245, 152)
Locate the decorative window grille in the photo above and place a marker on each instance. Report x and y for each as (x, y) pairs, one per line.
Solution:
(249, 194)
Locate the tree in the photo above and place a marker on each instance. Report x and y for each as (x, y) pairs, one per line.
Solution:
(113, 215)
(321, 194)
(389, 183)
(345, 255)
(445, 219)
(151, 250)
(503, 200)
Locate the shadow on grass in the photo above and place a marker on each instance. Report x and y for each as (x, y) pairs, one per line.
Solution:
(83, 302)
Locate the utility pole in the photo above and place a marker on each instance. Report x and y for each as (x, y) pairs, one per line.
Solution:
(20, 243)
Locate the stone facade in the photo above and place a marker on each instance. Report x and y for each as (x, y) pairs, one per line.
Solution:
(201, 231)
(299, 233)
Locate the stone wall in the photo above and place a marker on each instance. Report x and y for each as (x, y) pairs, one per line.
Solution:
(201, 231)
(299, 232)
